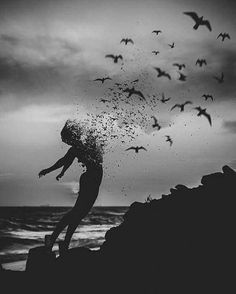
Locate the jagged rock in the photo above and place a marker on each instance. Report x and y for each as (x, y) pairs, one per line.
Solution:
(228, 171)
(40, 260)
(181, 188)
(181, 243)
(212, 179)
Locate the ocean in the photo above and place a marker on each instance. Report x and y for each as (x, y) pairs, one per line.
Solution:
(22, 228)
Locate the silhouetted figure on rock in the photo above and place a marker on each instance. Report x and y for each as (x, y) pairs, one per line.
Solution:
(89, 154)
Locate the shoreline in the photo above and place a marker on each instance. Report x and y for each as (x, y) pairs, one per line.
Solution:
(15, 265)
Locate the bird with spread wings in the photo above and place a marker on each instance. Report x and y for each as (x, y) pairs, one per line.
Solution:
(202, 111)
(114, 57)
(181, 106)
(200, 62)
(102, 79)
(207, 96)
(182, 77)
(223, 36)
(132, 91)
(162, 73)
(126, 41)
(156, 124)
(199, 21)
(157, 32)
(168, 139)
(180, 66)
(171, 45)
(137, 148)
(163, 99)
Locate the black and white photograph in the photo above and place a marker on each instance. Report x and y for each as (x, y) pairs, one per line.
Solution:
(117, 146)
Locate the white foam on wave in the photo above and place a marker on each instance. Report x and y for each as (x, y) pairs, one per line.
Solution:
(12, 251)
(26, 234)
(85, 231)
(15, 266)
(92, 232)
(91, 236)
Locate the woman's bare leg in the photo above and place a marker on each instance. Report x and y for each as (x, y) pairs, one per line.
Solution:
(65, 220)
(79, 212)
(88, 193)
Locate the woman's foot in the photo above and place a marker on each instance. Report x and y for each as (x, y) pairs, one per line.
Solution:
(48, 242)
(62, 248)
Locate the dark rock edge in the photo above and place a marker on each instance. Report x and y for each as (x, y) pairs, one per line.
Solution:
(181, 243)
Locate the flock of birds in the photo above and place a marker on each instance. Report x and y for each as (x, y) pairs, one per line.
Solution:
(123, 115)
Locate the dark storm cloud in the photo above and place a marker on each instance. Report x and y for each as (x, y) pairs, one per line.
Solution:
(30, 67)
(230, 126)
(20, 78)
(38, 48)
(9, 39)
(12, 40)
(59, 65)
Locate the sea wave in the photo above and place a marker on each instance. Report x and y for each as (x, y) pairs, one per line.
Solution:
(22, 228)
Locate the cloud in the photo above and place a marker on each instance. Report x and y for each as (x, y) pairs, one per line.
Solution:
(9, 39)
(57, 68)
(33, 125)
(230, 126)
(31, 66)
(73, 188)
(39, 49)
(42, 67)
(233, 163)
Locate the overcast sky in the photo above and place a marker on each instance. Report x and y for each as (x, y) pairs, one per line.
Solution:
(50, 54)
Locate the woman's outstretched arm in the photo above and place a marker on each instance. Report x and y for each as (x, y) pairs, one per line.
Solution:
(64, 162)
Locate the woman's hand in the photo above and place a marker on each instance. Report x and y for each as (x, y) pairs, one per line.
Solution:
(43, 172)
(59, 176)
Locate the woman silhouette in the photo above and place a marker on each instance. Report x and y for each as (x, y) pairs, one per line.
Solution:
(89, 153)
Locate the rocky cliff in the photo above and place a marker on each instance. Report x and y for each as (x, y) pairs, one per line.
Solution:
(181, 243)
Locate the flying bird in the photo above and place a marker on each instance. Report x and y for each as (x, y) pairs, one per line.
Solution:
(135, 81)
(182, 77)
(168, 139)
(172, 45)
(163, 100)
(126, 41)
(200, 62)
(207, 96)
(137, 148)
(219, 79)
(162, 73)
(202, 111)
(156, 124)
(223, 36)
(102, 79)
(181, 106)
(132, 91)
(199, 21)
(155, 52)
(157, 32)
(114, 57)
(180, 66)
